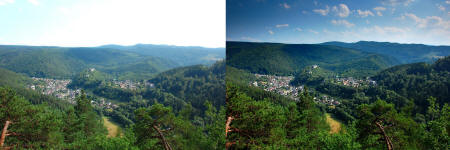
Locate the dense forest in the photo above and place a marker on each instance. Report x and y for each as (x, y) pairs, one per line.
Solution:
(407, 108)
(183, 105)
(66, 62)
(28, 126)
(289, 59)
(183, 55)
(169, 116)
(260, 119)
(405, 53)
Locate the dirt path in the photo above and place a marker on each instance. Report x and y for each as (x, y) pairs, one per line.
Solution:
(335, 126)
(113, 129)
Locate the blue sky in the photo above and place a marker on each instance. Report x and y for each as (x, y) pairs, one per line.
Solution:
(316, 21)
(125, 22)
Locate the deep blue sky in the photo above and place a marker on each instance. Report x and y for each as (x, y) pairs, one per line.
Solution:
(314, 21)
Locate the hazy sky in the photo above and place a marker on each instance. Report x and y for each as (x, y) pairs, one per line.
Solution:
(315, 21)
(125, 22)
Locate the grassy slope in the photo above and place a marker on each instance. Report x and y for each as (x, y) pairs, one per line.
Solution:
(335, 126)
(113, 129)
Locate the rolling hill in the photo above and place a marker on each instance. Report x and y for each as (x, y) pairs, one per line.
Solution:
(286, 59)
(182, 55)
(405, 53)
(418, 81)
(137, 62)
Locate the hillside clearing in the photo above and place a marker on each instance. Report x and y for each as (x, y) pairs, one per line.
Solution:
(335, 126)
(113, 129)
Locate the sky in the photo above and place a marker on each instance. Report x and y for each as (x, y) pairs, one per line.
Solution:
(317, 21)
(124, 22)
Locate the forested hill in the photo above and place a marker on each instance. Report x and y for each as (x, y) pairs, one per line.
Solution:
(184, 55)
(137, 63)
(405, 53)
(284, 59)
(18, 82)
(195, 84)
(418, 81)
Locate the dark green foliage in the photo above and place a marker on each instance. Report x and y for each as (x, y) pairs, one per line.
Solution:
(43, 127)
(288, 59)
(157, 127)
(410, 118)
(262, 122)
(397, 127)
(405, 53)
(150, 123)
(418, 81)
(195, 84)
(80, 127)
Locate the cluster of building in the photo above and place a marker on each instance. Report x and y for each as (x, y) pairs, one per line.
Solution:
(277, 84)
(282, 86)
(128, 84)
(350, 81)
(104, 104)
(327, 100)
(57, 88)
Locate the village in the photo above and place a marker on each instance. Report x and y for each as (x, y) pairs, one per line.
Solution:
(350, 81)
(282, 86)
(54, 87)
(130, 85)
(59, 89)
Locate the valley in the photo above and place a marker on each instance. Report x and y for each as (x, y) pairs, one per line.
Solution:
(96, 96)
(312, 97)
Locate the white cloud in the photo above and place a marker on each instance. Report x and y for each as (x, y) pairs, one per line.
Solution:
(34, 2)
(397, 2)
(447, 1)
(342, 22)
(364, 13)
(322, 12)
(312, 31)
(4, 2)
(441, 8)
(299, 29)
(271, 32)
(429, 21)
(383, 31)
(421, 23)
(282, 25)
(246, 38)
(285, 5)
(342, 10)
(379, 10)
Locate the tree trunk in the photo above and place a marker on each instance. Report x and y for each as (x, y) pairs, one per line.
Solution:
(4, 132)
(227, 125)
(386, 138)
(161, 136)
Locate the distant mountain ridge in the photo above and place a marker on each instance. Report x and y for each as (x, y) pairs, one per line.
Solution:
(285, 59)
(405, 53)
(184, 55)
(65, 62)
